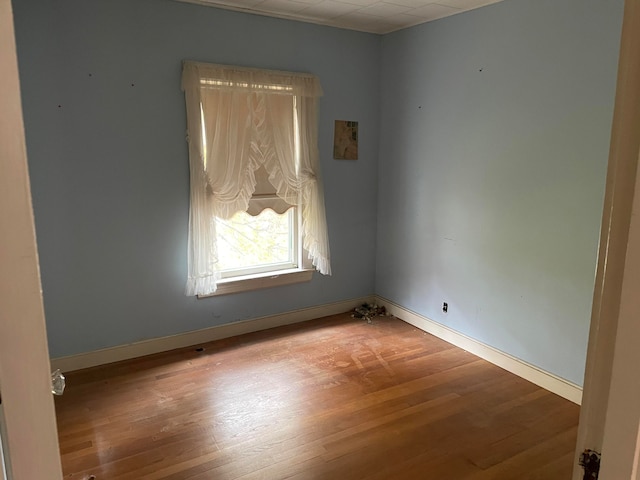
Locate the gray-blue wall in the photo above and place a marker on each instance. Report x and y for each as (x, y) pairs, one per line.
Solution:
(105, 126)
(495, 129)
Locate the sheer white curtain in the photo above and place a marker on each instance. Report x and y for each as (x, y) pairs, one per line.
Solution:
(238, 120)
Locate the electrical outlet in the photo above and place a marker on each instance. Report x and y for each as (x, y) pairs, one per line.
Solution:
(445, 307)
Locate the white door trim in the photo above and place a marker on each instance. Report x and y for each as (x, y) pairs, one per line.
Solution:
(616, 270)
(620, 444)
(31, 442)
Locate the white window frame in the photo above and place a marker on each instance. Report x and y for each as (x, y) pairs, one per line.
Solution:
(296, 254)
(273, 278)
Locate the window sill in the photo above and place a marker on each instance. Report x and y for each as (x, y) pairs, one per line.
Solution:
(261, 280)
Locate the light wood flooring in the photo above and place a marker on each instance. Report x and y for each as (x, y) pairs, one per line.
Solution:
(335, 398)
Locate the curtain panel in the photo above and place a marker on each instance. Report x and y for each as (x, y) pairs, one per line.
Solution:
(239, 120)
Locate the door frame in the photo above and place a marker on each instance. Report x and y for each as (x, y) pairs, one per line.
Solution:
(30, 437)
(610, 412)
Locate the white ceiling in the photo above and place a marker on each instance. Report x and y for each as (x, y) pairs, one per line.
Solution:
(372, 16)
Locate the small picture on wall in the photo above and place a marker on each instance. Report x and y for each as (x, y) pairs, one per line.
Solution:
(345, 140)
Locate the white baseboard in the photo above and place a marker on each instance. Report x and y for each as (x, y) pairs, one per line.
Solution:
(512, 364)
(163, 344)
(525, 370)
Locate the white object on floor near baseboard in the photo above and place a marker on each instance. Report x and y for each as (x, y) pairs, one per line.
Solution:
(525, 370)
(163, 344)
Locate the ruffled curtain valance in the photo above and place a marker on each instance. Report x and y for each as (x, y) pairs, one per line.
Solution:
(251, 80)
(239, 121)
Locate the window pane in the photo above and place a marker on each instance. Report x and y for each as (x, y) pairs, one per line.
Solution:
(245, 241)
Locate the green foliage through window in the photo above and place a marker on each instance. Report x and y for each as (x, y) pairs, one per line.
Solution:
(248, 242)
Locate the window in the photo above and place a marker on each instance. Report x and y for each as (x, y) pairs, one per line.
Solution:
(264, 243)
(256, 201)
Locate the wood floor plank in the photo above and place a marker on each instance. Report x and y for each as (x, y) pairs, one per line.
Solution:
(334, 398)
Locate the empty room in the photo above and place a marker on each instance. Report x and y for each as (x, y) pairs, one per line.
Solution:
(319, 239)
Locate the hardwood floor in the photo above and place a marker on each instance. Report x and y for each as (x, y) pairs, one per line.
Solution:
(334, 398)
